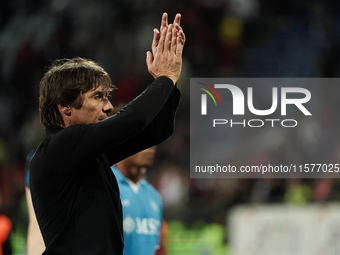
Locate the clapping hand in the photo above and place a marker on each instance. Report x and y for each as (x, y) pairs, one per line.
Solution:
(167, 49)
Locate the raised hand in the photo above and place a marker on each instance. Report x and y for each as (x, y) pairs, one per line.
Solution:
(164, 24)
(167, 49)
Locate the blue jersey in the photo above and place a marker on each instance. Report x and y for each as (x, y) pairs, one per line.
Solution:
(142, 214)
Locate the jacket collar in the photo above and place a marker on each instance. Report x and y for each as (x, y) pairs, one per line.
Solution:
(121, 178)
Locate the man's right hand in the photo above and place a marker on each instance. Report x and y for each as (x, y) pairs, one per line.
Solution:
(167, 49)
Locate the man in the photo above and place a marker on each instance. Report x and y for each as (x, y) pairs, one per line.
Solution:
(142, 204)
(74, 192)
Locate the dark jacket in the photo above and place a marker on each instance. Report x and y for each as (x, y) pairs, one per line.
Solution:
(75, 194)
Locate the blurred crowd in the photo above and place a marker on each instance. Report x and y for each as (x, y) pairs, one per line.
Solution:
(225, 38)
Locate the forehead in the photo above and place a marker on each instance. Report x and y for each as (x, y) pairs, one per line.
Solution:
(97, 88)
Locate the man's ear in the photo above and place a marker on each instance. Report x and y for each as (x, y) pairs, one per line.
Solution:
(64, 109)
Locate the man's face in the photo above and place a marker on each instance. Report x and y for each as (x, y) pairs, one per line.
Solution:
(134, 166)
(95, 107)
(144, 158)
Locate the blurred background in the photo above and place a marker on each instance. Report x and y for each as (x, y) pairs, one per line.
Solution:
(225, 38)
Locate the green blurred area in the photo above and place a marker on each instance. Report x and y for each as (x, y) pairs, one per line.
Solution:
(202, 239)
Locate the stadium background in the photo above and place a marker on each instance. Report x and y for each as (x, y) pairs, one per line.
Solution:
(225, 38)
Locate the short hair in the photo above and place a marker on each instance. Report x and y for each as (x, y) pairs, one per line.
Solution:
(64, 84)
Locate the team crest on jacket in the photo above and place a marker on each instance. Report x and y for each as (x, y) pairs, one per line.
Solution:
(128, 224)
(125, 202)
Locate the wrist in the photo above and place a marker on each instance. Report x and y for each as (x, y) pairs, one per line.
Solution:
(164, 77)
(174, 80)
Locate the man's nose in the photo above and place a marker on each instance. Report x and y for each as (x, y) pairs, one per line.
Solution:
(108, 106)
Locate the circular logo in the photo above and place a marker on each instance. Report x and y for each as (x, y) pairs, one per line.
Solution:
(128, 224)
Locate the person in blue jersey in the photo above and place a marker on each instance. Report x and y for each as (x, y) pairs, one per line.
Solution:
(142, 204)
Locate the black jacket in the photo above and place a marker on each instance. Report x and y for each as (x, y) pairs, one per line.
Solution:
(75, 194)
